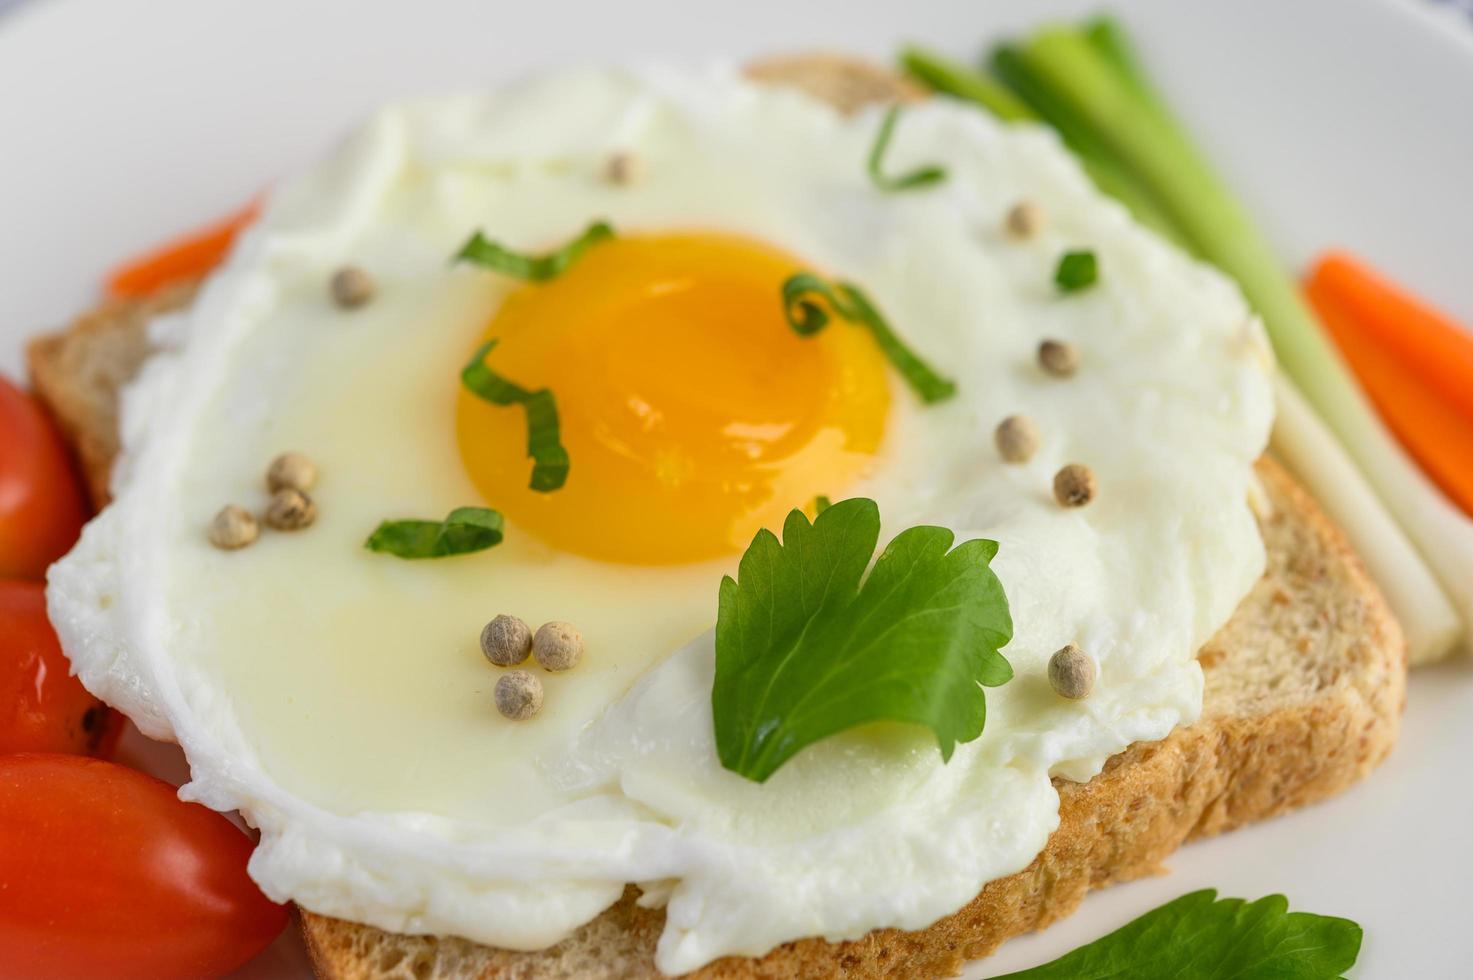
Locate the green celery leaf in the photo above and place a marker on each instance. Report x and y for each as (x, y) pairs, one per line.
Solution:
(534, 268)
(465, 530)
(1201, 937)
(911, 180)
(549, 459)
(807, 646)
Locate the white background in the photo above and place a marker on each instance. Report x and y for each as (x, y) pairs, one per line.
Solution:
(1340, 122)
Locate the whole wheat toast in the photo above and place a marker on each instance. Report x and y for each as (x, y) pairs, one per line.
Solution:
(1304, 690)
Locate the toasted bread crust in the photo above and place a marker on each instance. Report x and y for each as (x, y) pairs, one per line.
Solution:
(79, 371)
(1305, 686)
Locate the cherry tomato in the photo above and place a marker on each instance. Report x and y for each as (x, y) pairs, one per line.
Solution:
(105, 872)
(42, 707)
(41, 505)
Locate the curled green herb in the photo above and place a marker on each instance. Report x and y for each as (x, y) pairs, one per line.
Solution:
(808, 645)
(801, 294)
(533, 268)
(911, 180)
(549, 458)
(465, 530)
(1076, 271)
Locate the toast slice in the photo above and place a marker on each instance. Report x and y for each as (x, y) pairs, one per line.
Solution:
(1304, 690)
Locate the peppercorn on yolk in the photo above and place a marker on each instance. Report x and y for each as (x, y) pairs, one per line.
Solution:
(691, 411)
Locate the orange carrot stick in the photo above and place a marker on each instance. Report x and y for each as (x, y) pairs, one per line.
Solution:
(1434, 429)
(1429, 343)
(188, 257)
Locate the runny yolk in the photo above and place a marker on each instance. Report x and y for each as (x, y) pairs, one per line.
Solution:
(692, 413)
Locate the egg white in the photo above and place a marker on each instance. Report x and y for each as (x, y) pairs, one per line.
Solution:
(338, 697)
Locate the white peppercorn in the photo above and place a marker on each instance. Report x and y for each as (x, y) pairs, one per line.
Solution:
(506, 641)
(557, 646)
(291, 470)
(1074, 485)
(1025, 219)
(1017, 439)
(518, 695)
(352, 287)
(624, 168)
(1071, 673)
(1058, 357)
(233, 527)
(290, 510)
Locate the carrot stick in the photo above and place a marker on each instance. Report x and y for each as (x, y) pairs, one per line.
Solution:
(1430, 344)
(188, 257)
(1434, 429)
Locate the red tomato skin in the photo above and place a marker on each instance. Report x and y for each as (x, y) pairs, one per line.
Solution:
(105, 872)
(42, 707)
(41, 503)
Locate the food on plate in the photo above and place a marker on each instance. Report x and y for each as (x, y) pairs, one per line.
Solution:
(80, 372)
(1415, 363)
(179, 261)
(108, 873)
(1201, 935)
(41, 505)
(45, 709)
(1087, 82)
(614, 379)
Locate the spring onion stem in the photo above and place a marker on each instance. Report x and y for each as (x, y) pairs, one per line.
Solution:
(1311, 452)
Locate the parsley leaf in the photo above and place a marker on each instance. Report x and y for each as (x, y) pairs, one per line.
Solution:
(549, 459)
(919, 177)
(804, 650)
(467, 529)
(533, 268)
(1206, 938)
(801, 293)
(1076, 271)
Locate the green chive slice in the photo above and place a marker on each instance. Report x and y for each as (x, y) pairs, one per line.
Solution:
(1076, 271)
(911, 180)
(549, 459)
(484, 252)
(465, 530)
(801, 296)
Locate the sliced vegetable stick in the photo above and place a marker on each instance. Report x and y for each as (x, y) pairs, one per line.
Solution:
(1308, 448)
(1436, 348)
(1434, 431)
(188, 257)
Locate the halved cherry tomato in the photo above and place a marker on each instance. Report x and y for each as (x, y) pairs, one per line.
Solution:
(42, 707)
(105, 872)
(41, 508)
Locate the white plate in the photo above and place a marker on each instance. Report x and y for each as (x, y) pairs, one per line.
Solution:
(1341, 122)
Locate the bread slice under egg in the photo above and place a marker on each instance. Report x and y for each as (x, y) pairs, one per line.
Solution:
(1304, 691)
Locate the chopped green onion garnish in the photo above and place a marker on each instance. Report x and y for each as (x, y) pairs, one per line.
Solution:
(533, 268)
(467, 529)
(806, 316)
(920, 177)
(549, 458)
(1077, 270)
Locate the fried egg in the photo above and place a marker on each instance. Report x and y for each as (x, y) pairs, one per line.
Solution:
(337, 697)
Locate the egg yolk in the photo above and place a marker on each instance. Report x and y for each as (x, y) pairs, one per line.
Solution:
(691, 411)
